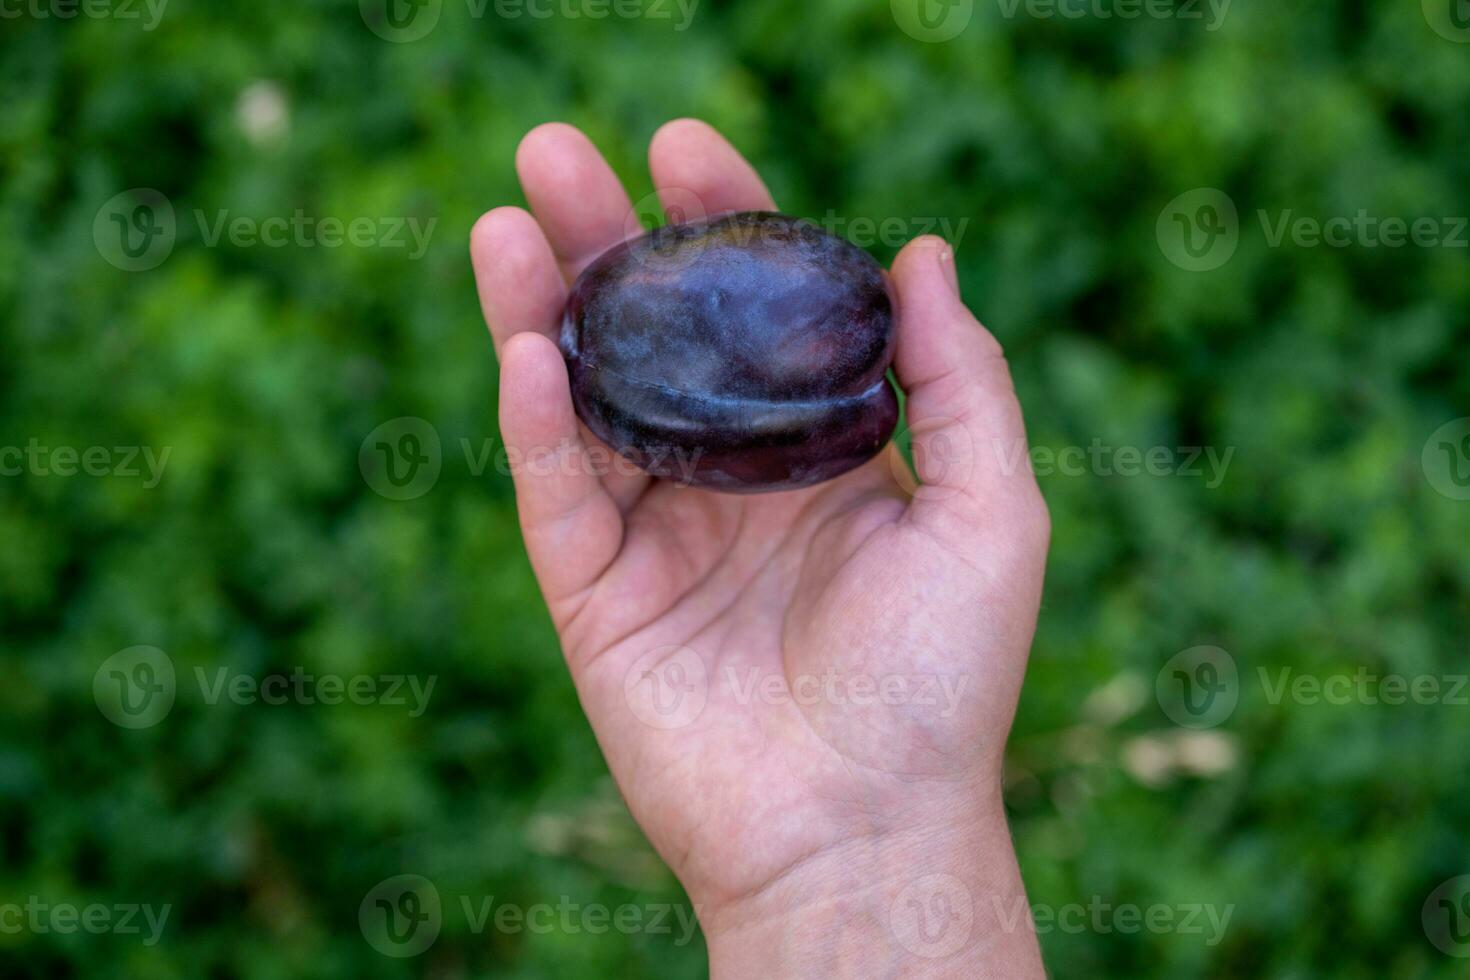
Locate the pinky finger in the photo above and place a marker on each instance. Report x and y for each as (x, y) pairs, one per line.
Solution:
(573, 529)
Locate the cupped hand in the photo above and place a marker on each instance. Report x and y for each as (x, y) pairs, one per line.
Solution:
(803, 696)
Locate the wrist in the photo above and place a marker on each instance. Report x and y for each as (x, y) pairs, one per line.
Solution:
(938, 899)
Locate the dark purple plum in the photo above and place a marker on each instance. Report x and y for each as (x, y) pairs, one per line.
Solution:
(743, 353)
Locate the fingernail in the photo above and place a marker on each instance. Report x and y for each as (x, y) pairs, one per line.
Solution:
(946, 265)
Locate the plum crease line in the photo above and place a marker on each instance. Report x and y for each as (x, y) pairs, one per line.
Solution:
(809, 403)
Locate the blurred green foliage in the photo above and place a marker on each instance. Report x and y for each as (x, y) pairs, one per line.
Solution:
(263, 549)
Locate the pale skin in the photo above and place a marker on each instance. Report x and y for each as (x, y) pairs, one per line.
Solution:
(845, 659)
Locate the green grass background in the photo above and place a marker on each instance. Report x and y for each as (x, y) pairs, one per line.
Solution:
(1325, 548)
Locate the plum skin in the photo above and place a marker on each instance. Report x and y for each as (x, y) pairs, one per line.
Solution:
(744, 353)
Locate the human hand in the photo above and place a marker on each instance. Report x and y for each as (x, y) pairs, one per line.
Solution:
(804, 697)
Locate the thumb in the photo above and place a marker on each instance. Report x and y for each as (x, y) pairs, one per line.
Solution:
(968, 436)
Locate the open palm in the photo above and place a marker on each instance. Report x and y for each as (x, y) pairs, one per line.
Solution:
(782, 683)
